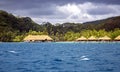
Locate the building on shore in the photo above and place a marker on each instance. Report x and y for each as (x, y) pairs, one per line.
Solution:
(105, 38)
(117, 38)
(38, 38)
(92, 38)
(82, 38)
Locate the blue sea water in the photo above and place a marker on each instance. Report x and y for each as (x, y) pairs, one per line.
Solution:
(60, 57)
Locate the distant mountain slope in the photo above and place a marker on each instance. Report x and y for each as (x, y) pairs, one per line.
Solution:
(95, 22)
(107, 24)
(112, 23)
(8, 22)
(103, 20)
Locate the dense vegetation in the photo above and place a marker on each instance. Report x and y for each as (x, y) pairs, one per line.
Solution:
(16, 28)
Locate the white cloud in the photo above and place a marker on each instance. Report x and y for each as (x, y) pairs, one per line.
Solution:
(88, 11)
(69, 9)
(76, 11)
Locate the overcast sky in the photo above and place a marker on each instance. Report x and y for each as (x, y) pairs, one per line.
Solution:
(59, 11)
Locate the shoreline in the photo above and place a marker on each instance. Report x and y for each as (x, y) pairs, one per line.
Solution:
(69, 42)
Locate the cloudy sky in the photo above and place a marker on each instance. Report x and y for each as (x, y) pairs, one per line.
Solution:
(59, 11)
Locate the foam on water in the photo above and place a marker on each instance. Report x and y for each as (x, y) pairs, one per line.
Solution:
(12, 51)
(84, 58)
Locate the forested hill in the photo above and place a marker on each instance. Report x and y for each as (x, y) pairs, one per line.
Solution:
(11, 26)
(117, 18)
(9, 22)
(107, 24)
(15, 28)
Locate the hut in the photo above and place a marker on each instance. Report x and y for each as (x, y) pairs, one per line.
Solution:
(92, 38)
(37, 38)
(82, 38)
(105, 38)
(117, 38)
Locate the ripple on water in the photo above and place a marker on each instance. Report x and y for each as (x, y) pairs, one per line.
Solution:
(37, 61)
(53, 57)
(58, 60)
(24, 70)
(55, 68)
(106, 69)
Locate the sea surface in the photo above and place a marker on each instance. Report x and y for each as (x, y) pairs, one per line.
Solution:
(60, 57)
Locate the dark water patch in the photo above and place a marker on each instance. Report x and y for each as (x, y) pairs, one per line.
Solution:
(106, 70)
(55, 68)
(24, 70)
(24, 63)
(58, 60)
(117, 54)
(70, 63)
(109, 69)
(21, 68)
(2, 71)
(1, 54)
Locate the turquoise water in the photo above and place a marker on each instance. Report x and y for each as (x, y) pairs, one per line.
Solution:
(60, 57)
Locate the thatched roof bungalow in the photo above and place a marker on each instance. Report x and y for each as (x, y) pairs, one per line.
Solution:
(117, 38)
(105, 38)
(34, 38)
(82, 38)
(92, 38)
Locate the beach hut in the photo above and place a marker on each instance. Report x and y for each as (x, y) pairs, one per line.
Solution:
(92, 38)
(82, 38)
(37, 38)
(105, 38)
(117, 38)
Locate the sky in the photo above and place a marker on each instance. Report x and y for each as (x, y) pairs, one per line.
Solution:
(60, 11)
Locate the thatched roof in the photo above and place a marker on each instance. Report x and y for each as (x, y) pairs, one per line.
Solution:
(105, 38)
(92, 38)
(117, 38)
(82, 38)
(37, 38)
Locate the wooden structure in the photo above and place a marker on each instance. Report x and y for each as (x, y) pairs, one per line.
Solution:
(37, 38)
(82, 38)
(92, 38)
(117, 38)
(105, 38)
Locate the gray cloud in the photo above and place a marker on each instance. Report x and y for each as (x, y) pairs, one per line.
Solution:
(102, 10)
(26, 4)
(51, 10)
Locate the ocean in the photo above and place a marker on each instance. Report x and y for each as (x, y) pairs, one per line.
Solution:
(60, 57)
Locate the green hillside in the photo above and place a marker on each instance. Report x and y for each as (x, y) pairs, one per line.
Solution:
(107, 24)
(14, 28)
(10, 26)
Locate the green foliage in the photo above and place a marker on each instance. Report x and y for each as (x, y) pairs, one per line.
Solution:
(114, 33)
(102, 33)
(7, 36)
(71, 36)
(37, 33)
(18, 38)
